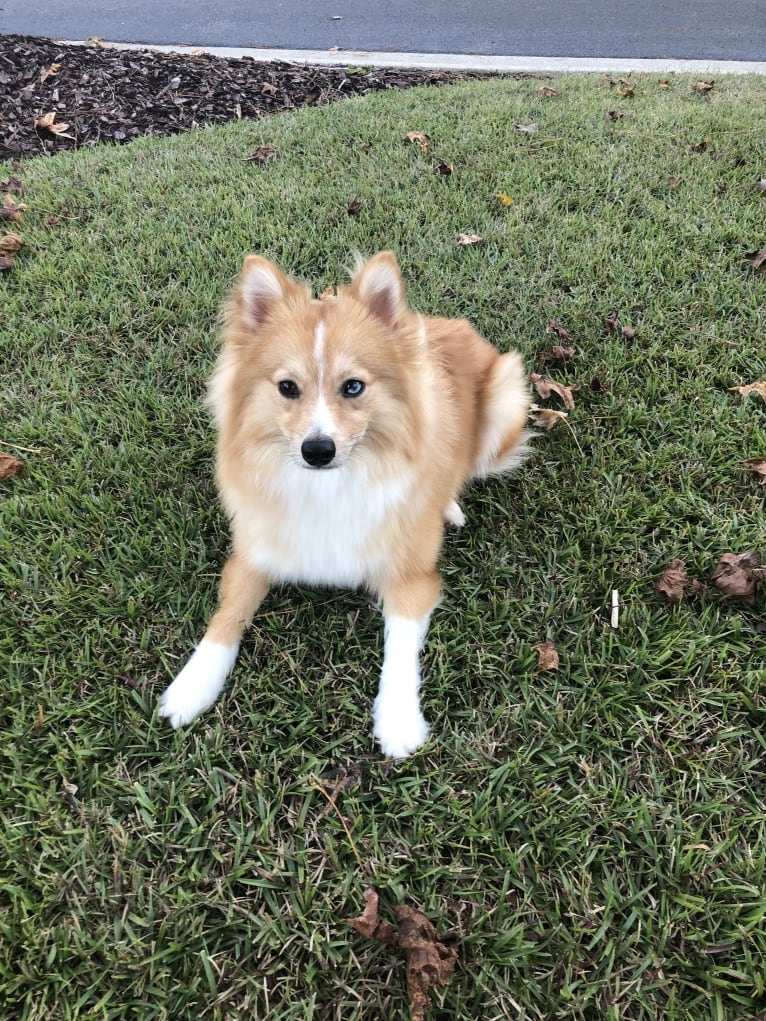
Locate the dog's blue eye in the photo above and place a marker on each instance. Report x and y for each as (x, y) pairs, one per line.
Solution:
(352, 388)
(288, 389)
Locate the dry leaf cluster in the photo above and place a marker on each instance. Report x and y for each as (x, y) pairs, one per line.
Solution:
(737, 575)
(428, 960)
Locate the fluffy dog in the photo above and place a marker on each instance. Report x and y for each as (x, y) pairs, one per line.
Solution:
(347, 429)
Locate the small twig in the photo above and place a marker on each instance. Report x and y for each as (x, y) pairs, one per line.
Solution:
(331, 800)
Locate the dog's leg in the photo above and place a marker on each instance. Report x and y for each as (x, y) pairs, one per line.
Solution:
(202, 679)
(398, 723)
(453, 514)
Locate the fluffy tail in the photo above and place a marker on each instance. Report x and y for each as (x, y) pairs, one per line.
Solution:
(504, 441)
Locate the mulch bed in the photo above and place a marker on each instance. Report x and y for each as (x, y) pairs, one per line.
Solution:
(55, 97)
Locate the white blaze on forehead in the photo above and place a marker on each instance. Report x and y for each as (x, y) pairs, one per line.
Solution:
(322, 421)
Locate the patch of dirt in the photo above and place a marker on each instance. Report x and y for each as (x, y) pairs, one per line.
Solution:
(98, 93)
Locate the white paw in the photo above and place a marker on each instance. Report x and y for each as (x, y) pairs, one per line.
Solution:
(453, 514)
(199, 684)
(400, 730)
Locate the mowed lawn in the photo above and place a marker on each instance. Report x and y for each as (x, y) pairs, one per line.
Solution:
(590, 837)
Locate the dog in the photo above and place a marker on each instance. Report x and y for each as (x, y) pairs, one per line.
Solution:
(347, 429)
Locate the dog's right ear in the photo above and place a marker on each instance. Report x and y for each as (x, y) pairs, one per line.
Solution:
(261, 286)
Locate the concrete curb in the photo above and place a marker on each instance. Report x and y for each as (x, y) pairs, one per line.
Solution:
(459, 61)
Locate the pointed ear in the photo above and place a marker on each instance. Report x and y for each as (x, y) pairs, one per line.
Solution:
(380, 287)
(261, 286)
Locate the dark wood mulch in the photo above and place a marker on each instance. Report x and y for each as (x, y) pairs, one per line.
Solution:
(104, 94)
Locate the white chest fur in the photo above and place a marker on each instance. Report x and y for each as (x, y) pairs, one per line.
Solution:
(328, 527)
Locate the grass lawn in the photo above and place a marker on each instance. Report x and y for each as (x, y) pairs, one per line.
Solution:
(592, 837)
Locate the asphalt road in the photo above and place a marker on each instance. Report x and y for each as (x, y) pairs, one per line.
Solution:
(684, 29)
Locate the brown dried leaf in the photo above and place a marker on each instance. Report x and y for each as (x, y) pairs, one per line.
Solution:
(628, 332)
(546, 418)
(12, 210)
(611, 324)
(758, 465)
(468, 239)
(703, 145)
(367, 924)
(674, 181)
(545, 387)
(506, 200)
(11, 184)
(46, 123)
(663, 85)
(675, 582)
(558, 355)
(547, 90)
(443, 168)
(51, 69)
(429, 962)
(547, 656)
(267, 89)
(749, 388)
(11, 243)
(418, 138)
(615, 115)
(703, 87)
(354, 206)
(10, 466)
(262, 154)
(757, 259)
(739, 575)
(553, 327)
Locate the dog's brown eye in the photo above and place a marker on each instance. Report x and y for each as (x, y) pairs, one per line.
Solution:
(288, 389)
(352, 388)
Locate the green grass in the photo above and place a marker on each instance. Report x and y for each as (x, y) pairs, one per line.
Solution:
(594, 837)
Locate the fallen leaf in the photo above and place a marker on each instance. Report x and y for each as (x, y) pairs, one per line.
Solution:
(547, 90)
(368, 924)
(267, 89)
(418, 138)
(429, 961)
(10, 466)
(39, 723)
(750, 388)
(468, 239)
(610, 324)
(557, 355)
(546, 418)
(703, 145)
(11, 184)
(628, 332)
(739, 575)
(51, 69)
(558, 328)
(547, 656)
(10, 244)
(443, 168)
(596, 385)
(663, 85)
(545, 387)
(505, 199)
(626, 90)
(757, 259)
(12, 210)
(354, 207)
(529, 129)
(262, 154)
(615, 115)
(703, 87)
(758, 465)
(46, 122)
(675, 582)
(673, 182)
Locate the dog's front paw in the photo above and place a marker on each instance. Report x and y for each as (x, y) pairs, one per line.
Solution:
(198, 685)
(400, 729)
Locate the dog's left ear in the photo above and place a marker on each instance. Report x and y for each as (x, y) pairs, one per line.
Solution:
(380, 287)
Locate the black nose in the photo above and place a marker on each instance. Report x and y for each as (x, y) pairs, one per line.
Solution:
(318, 452)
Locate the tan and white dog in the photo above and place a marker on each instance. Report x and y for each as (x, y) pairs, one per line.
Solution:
(347, 429)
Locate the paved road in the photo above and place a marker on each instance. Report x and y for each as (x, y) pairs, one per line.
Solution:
(686, 29)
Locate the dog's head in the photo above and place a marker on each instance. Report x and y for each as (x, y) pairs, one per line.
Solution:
(320, 382)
